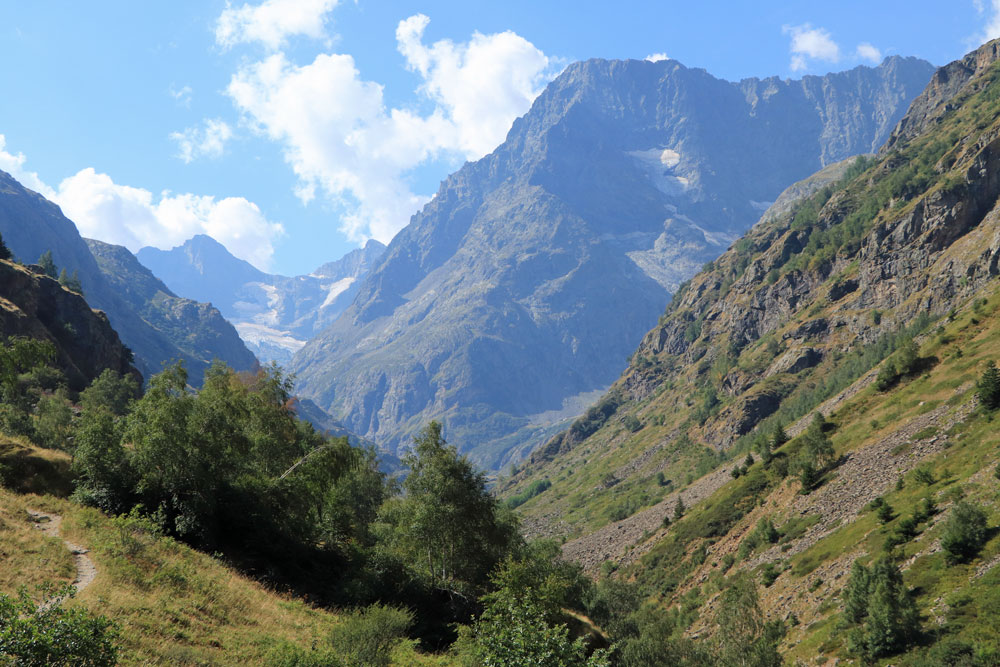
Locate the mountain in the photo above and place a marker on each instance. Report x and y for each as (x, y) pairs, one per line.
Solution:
(830, 363)
(197, 329)
(517, 294)
(274, 314)
(36, 306)
(31, 225)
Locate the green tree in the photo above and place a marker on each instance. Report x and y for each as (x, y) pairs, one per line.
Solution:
(744, 638)
(53, 421)
(111, 391)
(988, 387)
(72, 283)
(48, 264)
(964, 533)
(447, 524)
(878, 602)
(679, 508)
(4, 250)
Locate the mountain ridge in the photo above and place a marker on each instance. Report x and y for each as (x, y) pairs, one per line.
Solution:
(608, 192)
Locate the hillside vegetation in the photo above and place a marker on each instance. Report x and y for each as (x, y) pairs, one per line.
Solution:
(810, 401)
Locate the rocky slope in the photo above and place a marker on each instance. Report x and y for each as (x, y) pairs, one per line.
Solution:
(36, 306)
(524, 284)
(31, 225)
(198, 330)
(813, 312)
(274, 315)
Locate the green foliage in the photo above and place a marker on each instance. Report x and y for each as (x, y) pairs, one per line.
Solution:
(52, 421)
(632, 423)
(5, 253)
(882, 608)
(744, 638)
(596, 416)
(965, 532)
(48, 264)
(368, 636)
(33, 634)
(517, 626)
(988, 387)
(679, 508)
(534, 489)
(72, 283)
(905, 362)
(448, 526)
(816, 452)
(216, 467)
(110, 391)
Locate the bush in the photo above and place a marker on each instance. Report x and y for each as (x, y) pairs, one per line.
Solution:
(535, 488)
(964, 533)
(54, 635)
(632, 423)
(368, 636)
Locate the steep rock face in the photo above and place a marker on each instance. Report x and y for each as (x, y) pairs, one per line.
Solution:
(197, 329)
(533, 273)
(36, 306)
(31, 225)
(273, 314)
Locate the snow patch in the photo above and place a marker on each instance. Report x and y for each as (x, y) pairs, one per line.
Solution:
(333, 290)
(761, 205)
(258, 334)
(659, 163)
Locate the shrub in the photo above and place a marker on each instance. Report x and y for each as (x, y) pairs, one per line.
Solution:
(54, 635)
(964, 533)
(880, 604)
(368, 636)
(632, 423)
(534, 489)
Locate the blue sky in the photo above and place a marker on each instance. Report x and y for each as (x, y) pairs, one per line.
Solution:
(292, 130)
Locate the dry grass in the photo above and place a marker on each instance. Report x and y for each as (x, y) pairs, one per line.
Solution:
(175, 605)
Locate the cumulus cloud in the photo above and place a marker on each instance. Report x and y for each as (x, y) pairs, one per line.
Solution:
(13, 164)
(481, 86)
(657, 57)
(271, 23)
(866, 51)
(342, 141)
(991, 28)
(810, 43)
(134, 217)
(208, 140)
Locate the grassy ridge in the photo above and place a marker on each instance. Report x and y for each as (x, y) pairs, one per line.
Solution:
(175, 605)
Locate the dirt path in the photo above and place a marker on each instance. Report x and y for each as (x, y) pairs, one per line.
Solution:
(86, 571)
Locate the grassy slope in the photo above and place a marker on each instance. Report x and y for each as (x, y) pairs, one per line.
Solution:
(682, 566)
(174, 604)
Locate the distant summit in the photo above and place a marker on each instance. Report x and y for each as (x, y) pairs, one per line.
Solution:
(273, 314)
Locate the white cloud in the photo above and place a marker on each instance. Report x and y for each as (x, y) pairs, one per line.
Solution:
(341, 139)
(482, 85)
(866, 51)
(134, 217)
(182, 95)
(209, 140)
(13, 164)
(808, 42)
(657, 57)
(272, 22)
(991, 30)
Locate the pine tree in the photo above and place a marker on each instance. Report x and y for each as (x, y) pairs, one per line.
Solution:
(988, 387)
(4, 250)
(679, 509)
(48, 264)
